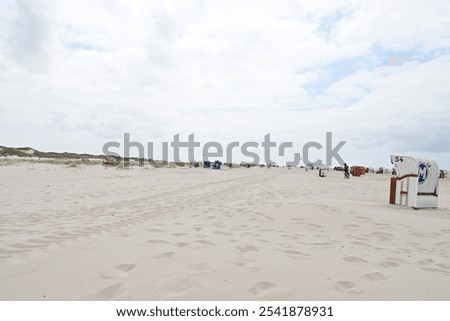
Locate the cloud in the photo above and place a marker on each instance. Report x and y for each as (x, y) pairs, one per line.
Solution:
(26, 33)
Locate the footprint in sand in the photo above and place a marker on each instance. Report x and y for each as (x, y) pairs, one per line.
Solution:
(206, 242)
(240, 263)
(344, 286)
(164, 255)
(288, 236)
(27, 246)
(376, 277)
(182, 244)
(353, 259)
(425, 234)
(262, 288)
(157, 242)
(392, 262)
(351, 225)
(425, 262)
(296, 254)
(222, 233)
(444, 266)
(40, 241)
(246, 248)
(314, 227)
(443, 244)
(111, 292)
(389, 264)
(380, 236)
(298, 219)
(117, 271)
(385, 225)
(363, 218)
(322, 207)
(125, 267)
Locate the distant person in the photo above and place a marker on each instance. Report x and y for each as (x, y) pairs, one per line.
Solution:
(346, 173)
(321, 173)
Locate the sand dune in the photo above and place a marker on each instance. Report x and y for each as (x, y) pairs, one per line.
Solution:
(89, 233)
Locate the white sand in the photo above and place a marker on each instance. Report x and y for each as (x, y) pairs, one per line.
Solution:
(89, 233)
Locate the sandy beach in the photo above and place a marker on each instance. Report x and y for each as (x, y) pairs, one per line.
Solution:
(94, 233)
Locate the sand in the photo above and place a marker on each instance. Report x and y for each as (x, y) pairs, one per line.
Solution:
(90, 233)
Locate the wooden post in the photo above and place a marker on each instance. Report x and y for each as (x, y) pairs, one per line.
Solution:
(393, 190)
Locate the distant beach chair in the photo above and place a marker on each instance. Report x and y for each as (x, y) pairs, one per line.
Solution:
(380, 170)
(109, 161)
(217, 165)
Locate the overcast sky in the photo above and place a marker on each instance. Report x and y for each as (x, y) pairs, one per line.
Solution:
(76, 74)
